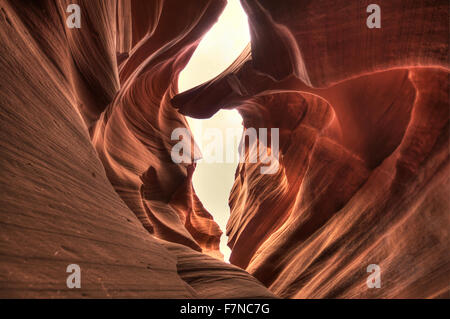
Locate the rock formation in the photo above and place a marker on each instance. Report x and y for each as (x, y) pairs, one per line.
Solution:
(364, 165)
(125, 214)
(87, 178)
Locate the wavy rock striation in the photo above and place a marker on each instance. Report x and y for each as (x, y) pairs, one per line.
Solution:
(364, 159)
(87, 177)
(133, 135)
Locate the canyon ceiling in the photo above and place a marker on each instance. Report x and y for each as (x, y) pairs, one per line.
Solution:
(87, 178)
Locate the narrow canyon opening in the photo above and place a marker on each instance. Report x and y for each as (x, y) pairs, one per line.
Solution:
(97, 186)
(219, 47)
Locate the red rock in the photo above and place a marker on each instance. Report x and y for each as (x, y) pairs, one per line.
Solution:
(60, 204)
(86, 117)
(364, 159)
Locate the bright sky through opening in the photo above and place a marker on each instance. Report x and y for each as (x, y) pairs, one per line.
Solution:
(218, 49)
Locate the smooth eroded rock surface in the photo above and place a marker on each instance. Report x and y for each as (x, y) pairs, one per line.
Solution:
(362, 175)
(363, 172)
(62, 93)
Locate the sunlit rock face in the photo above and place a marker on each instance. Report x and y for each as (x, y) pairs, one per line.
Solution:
(364, 158)
(87, 178)
(133, 135)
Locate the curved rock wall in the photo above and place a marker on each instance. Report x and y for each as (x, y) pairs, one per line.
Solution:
(364, 159)
(62, 93)
(87, 178)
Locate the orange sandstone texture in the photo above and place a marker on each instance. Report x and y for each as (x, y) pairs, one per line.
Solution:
(364, 157)
(86, 176)
(133, 135)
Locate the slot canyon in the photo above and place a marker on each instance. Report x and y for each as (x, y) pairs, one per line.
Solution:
(87, 177)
